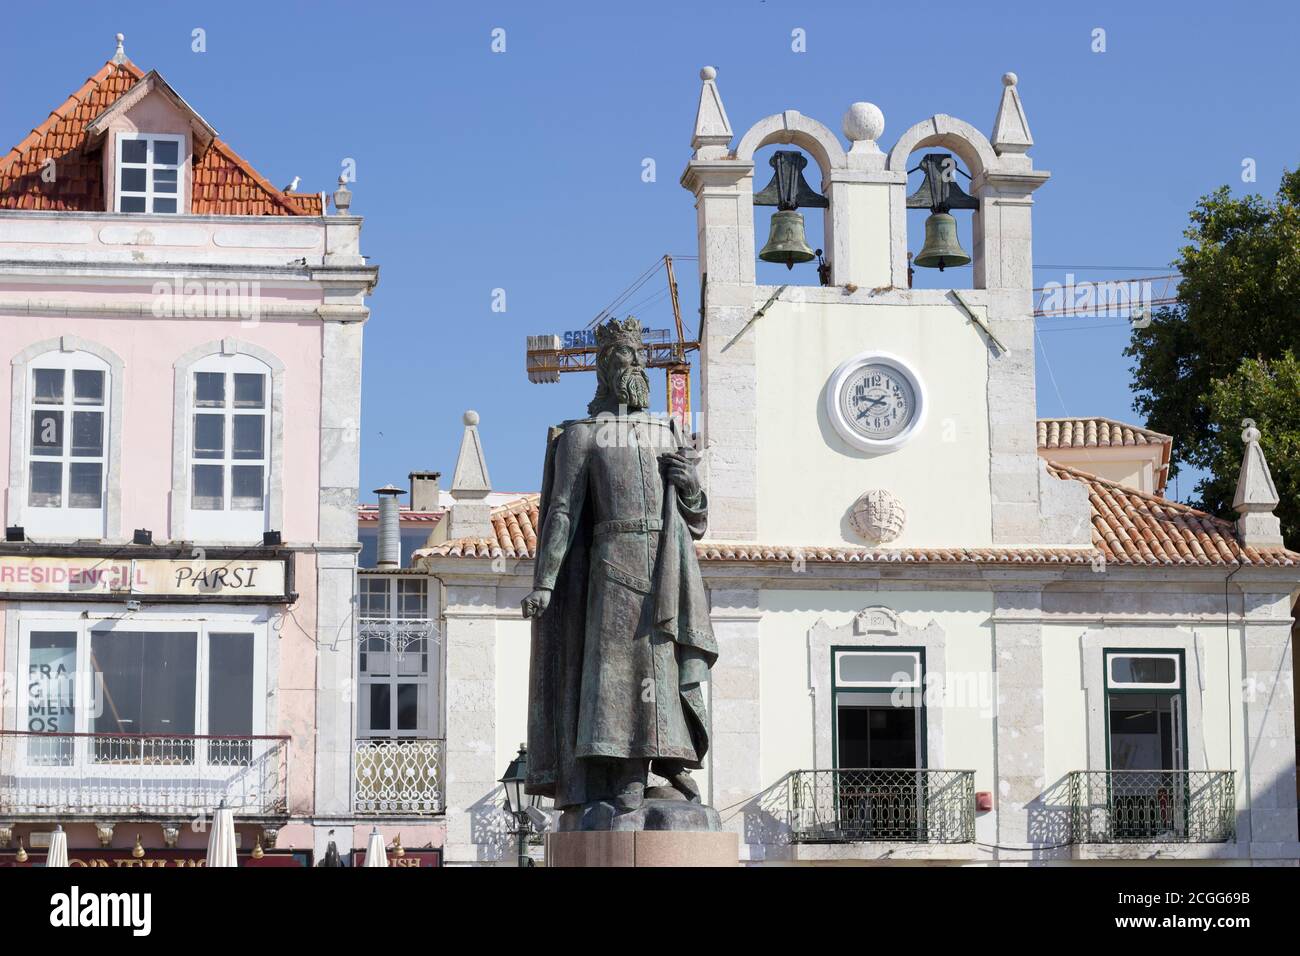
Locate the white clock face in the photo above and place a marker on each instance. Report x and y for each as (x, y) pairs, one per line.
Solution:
(878, 401)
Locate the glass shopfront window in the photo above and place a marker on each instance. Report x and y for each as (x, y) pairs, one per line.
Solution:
(155, 688)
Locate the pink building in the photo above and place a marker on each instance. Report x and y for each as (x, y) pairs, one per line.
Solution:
(177, 582)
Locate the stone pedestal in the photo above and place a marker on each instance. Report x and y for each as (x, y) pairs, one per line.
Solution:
(642, 848)
(663, 809)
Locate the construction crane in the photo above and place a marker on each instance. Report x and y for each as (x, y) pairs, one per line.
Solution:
(1132, 297)
(548, 356)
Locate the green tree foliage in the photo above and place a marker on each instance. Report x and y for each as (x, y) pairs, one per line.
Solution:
(1269, 392)
(1227, 350)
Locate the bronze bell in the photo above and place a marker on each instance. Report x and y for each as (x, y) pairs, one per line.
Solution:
(785, 241)
(942, 248)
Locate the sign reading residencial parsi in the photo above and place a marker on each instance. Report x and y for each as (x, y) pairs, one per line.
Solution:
(180, 577)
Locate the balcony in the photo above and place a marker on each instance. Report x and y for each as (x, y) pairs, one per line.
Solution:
(147, 775)
(397, 777)
(1153, 806)
(877, 806)
(395, 635)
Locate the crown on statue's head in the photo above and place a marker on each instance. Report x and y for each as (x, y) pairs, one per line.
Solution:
(614, 332)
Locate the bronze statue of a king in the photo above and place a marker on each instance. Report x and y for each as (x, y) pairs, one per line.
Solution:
(621, 632)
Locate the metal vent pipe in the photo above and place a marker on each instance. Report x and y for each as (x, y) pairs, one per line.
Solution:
(390, 532)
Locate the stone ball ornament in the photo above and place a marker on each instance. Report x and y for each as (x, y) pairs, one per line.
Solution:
(708, 73)
(878, 516)
(863, 122)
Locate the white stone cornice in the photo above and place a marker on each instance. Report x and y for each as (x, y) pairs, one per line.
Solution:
(342, 313)
(701, 174)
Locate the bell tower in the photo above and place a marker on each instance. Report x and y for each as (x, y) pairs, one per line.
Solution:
(854, 409)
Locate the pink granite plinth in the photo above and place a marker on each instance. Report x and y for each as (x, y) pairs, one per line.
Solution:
(642, 848)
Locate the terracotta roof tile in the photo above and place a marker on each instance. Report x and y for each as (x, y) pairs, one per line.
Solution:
(1128, 527)
(1132, 527)
(370, 513)
(1094, 433)
(224, 184)
(1105, 433)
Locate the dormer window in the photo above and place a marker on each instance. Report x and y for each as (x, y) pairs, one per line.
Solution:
(149, 177)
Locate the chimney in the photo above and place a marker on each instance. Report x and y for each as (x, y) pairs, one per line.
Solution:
(424, 490)
(390, 531)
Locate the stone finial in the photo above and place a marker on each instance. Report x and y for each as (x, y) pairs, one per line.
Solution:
(1256, 495)
(342, 197)
(863, 123)
(1011, 128)
(120, 55)
(712, 128)
(471, 477)
(471, 515)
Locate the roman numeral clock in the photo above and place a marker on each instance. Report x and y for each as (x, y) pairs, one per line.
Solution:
(876, 402)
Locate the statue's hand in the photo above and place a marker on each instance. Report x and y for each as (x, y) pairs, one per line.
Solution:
(681, 472)
(536, 602)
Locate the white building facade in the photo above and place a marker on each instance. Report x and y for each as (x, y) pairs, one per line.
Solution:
(949, 633)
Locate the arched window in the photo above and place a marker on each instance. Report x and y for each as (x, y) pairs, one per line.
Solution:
(226, 476)
(64, 473)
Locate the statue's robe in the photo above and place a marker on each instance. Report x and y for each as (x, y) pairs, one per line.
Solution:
(618, 656)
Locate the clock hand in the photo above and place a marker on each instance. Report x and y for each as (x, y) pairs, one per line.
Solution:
(872, 404)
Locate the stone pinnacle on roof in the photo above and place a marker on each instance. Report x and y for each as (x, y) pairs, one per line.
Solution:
(1256, 495)
(342, 197)
(120, 55)
(471, 477)
(712, 133)
(471, 515)
(1011, 128)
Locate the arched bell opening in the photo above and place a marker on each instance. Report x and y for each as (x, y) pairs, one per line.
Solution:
(791, 218)
(941, 221)
(969, 158)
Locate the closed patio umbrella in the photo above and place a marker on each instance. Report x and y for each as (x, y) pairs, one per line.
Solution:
(221, 841)
(376, 855)
(58, 855)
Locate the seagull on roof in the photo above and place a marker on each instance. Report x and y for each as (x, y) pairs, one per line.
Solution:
(293, 186)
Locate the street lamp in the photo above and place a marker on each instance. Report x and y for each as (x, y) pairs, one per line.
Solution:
(517, 801)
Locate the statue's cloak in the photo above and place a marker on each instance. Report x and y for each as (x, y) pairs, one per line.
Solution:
(680, 614)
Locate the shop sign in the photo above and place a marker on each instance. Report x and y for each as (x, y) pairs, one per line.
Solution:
(119, 577)
(125, 858)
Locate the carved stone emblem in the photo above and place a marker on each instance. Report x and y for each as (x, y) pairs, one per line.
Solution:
(878, 516)
(876, 620)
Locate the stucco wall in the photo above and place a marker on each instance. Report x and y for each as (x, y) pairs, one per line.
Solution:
(512, 645)
(787, 722)
(808, 476)
(148, 348)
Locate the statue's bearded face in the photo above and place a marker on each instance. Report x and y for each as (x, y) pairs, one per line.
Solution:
(626, 379)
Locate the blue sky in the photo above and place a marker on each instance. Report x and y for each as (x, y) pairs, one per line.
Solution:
(522, 170)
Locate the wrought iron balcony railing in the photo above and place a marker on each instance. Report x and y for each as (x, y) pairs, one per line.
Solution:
(851, 806)
(1153, 806)
(69, 775)
(396, 635)
(397, 776)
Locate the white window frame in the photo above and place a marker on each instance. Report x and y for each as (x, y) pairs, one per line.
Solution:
(889, 685)
(183, 386)
(182, 204)
(66, 521)
(1111, 684)
(228, 522)
(85, 620)
(429, 680)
